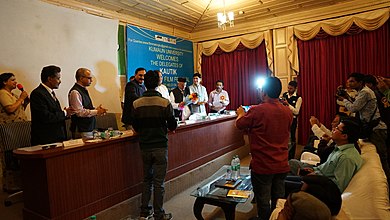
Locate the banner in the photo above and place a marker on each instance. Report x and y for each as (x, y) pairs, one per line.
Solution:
(155, 51)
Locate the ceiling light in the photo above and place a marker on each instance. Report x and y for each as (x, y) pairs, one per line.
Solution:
(225, 19)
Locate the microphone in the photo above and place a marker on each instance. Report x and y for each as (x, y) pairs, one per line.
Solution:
(20, 87)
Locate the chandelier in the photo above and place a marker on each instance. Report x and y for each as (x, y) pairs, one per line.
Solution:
(225, 19)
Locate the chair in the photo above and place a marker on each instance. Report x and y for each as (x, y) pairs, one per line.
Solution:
(13, 136)
(107, 121)
(310, 158)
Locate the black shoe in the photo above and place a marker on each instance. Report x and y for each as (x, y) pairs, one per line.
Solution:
(146, 215)
(165, 216)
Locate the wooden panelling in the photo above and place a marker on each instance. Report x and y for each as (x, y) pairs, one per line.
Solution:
(281, 62)
(77, 182)
(280, 37)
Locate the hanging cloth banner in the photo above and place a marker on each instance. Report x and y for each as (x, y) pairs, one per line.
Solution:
(173, 56)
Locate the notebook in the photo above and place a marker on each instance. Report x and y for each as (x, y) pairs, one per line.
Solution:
(228, 184)
(239, 193)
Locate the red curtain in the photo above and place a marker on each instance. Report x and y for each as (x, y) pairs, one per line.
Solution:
(238, 70)
(326, 62)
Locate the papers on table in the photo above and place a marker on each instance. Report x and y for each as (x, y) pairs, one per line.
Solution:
(41, 147)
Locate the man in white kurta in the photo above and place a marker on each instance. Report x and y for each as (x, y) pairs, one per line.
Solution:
(196, 87)
(161, 88)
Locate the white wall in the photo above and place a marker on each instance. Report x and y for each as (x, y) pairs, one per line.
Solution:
(35, 34)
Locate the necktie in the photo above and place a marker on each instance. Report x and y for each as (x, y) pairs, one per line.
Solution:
(54, 95)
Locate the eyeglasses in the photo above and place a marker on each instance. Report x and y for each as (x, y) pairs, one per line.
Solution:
(88, 77)
(339, 129)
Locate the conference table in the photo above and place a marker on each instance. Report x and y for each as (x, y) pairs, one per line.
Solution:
(79, 181)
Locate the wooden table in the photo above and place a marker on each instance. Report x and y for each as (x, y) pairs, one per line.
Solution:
(78, 182)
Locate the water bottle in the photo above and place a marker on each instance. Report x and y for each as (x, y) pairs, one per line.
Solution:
(238, 166)
(234, 167)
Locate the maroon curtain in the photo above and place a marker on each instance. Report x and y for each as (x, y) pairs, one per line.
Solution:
(326, 62)
(238, 70)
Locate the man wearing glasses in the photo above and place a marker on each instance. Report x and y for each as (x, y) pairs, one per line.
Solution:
(342, 164)
(83, 119)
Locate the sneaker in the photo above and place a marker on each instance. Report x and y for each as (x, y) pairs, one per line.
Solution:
(166, 216)
(146, 215)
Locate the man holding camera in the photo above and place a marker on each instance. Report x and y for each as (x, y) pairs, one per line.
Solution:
(365, 104)
(269, 129)
(294, 102)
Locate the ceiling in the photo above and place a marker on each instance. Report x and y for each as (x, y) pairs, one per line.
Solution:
(200, 15)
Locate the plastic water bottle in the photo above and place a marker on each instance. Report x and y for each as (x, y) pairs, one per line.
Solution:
(234, 168)
(238, 165)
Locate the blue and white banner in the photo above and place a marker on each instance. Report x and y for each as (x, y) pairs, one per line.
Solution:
(155, 51)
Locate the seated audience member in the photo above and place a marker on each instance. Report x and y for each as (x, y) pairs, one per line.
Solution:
(318, 198)
(11, 106)
(342, 163)
(218, 98)
(326, 144)
(384, 86)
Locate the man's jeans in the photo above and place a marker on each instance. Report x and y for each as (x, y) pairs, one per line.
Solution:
(267, 187)
(155, 169)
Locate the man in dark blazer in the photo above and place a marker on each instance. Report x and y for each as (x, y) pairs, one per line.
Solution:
(133, 90)
(47, 116)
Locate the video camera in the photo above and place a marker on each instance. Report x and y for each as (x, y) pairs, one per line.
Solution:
(340, 92)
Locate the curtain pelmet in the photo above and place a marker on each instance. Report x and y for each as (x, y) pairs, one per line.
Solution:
(367, 21)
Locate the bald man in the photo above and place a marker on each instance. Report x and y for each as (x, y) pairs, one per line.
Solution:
(83, 120)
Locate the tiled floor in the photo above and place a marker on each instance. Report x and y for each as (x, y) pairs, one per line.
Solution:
(180, 206)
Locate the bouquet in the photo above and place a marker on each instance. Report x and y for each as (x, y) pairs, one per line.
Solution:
(193, 97)
(190, 99)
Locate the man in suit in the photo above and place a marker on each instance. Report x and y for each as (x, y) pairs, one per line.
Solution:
(83, 119)
(133, 90)
(47, 116)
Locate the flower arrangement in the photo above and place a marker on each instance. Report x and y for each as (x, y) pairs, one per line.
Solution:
(190, 99)
(193, 97)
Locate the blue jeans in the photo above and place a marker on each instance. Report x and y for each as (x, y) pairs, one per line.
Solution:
(267, 187)
(155, 169)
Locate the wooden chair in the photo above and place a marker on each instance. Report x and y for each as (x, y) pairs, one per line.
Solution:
(13, 136)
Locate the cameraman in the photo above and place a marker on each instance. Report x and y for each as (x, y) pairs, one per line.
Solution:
(294, 102)
(366, 105)
(351, 96)
(269, 128)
